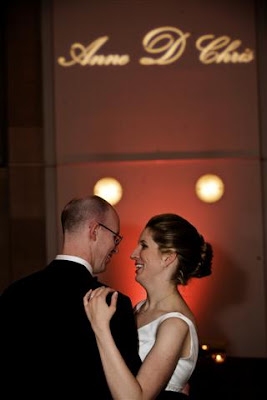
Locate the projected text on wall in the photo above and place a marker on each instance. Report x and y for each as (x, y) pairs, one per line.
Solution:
(165, 45)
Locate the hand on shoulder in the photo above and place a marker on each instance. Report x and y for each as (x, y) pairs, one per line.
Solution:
(97, 310)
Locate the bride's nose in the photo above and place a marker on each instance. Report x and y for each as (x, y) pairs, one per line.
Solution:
(134, 254)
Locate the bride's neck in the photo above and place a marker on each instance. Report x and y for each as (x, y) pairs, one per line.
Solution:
(161, 298)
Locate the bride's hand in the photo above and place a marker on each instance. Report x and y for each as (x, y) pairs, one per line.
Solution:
(97, 310)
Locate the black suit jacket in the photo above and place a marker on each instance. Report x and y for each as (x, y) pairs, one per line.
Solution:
(49, 348)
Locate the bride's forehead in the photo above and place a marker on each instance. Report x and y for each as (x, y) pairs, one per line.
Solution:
(145, 235)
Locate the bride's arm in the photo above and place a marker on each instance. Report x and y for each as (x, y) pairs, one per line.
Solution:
(158, 366)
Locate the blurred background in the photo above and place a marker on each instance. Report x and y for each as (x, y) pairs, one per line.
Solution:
(154, 94)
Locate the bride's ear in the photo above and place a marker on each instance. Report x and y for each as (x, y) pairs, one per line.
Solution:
(169, 258)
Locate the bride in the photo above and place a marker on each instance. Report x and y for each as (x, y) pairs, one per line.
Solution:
(169, 252)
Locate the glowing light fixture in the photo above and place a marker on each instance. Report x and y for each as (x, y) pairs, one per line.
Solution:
(218, 357)
(109, 189)
(214, 352)
(209, 188)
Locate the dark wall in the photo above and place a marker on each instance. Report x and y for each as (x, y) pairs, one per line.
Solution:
(22, 238)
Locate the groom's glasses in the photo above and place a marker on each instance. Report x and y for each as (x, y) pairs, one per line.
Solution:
(117, 238)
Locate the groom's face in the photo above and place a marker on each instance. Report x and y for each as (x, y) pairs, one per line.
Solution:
(106, 247)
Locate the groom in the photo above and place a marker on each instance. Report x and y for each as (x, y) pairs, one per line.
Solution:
(48, 346)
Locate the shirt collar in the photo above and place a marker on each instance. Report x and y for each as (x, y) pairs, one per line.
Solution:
(77, 260)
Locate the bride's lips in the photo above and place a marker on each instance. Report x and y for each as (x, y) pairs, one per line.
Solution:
(138, 266)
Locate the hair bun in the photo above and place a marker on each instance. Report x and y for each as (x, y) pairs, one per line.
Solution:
(204, 265)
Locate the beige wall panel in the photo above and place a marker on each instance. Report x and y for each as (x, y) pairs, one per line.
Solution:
(131, 110)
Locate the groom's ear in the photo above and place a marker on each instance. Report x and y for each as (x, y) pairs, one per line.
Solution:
(93, 230)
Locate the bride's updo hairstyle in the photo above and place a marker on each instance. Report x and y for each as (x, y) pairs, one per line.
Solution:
(173, 233)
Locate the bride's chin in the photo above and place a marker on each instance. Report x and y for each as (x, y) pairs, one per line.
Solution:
(138, 279)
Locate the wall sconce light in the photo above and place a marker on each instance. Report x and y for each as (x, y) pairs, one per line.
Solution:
(109, 189)
(209, 188)
(219, 358)
(215, 353)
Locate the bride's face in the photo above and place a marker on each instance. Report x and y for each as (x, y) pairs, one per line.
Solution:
(148, 258)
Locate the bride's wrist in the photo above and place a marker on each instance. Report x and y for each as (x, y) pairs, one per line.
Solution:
(101, 331)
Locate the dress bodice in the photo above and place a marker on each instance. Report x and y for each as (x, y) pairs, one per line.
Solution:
(185, 366)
